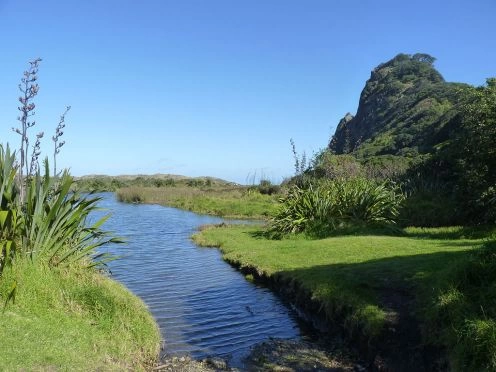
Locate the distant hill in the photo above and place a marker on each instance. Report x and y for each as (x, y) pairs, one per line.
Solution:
(157, 176)
(406, 108)
(113, 183)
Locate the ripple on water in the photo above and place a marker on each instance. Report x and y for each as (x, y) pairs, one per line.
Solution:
(203, 306)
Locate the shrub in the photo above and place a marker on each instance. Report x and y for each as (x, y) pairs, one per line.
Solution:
(464, 311)
(331, 205)
(51, 224)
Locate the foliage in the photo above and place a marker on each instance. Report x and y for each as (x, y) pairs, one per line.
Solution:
(265, 187)
(45, 221)
(113, 183)
(9, 216)
(462, 172)
(52, 224)
(475, 154)
(225, 201)
(336, 204)
(56, 228)
(463, 313)
(404, 110)
(326, 164)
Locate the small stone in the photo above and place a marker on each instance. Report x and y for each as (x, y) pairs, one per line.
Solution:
(217, 363)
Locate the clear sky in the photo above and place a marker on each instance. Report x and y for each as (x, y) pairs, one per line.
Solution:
(218, 87)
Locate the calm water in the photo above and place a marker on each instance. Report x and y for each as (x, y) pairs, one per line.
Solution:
(202, 305)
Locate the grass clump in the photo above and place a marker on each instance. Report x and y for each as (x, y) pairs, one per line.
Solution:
(463, 312)
(72, 318)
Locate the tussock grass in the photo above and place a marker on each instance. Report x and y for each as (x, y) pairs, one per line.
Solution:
(72, 319)
(232, 202)
(453, 283)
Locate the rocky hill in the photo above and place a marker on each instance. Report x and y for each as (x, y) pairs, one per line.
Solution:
(406, 108)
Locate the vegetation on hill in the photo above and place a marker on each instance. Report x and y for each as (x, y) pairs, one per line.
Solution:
(432, 138)
(403, 110)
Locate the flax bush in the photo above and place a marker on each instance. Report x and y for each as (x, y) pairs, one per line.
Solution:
(323, 208)
(51, 224)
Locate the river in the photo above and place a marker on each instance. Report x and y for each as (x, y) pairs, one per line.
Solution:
(204, 307)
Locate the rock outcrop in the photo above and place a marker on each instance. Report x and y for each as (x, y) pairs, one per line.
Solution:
(403, 110)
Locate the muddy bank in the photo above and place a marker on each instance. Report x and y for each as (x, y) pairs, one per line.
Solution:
(274, 355)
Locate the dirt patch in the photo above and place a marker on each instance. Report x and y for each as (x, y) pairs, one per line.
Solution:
(275, 355)
(187, 364)
(293, 356)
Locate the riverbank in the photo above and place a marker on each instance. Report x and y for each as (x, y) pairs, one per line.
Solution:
(72, 318)
(393, 296)
(274, 355)
(223, 201)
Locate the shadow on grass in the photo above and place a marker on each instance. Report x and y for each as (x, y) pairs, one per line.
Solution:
(454, 232)
(405, 286)
(390, 272)
(439, 233)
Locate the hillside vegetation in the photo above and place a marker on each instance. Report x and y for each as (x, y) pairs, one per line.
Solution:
(405, 109)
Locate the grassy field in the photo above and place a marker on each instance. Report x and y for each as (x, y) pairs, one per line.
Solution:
(353, 276)
(73, 319)
(227, 201)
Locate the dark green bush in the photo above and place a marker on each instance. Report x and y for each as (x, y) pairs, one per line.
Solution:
(464, 311)
(323, 208)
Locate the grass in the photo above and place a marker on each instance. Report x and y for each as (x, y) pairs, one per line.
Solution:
(72, 319)
(227, 201)
(348, 275)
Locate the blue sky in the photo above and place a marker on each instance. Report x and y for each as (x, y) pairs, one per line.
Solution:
(218, 87)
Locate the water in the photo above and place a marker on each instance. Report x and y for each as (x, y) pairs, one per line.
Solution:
(203, 306)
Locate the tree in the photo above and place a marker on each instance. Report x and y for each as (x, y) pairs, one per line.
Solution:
(474, 152)
(423, 57)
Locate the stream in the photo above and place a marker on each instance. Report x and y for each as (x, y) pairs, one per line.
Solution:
(204, 307)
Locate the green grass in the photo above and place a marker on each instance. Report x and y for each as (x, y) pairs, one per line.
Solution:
(72, 319)
(349, 274)
(229, 201)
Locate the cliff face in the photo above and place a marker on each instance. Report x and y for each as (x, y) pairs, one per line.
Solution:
(404, 110)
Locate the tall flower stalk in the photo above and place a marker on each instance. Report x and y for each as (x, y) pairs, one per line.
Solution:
(57, 145)
(29, 89)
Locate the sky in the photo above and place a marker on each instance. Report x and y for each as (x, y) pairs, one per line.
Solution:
(218, 87)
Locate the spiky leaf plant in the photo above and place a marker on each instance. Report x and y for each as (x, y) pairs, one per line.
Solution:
(56, 228)
(327, 206)
(9, 216)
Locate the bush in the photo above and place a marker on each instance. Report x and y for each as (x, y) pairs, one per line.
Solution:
(323, 208)
(464, 312)
(51, 224)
